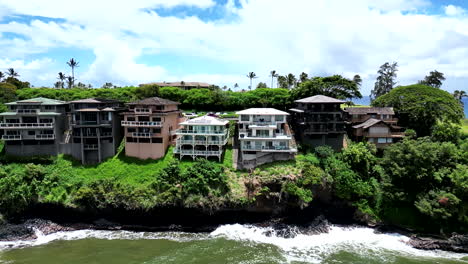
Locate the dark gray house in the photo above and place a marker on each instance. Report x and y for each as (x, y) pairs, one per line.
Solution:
(95, 131)
(318, 120)
(34, 127)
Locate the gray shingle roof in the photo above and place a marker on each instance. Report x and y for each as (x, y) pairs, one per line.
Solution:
(370, 122)
(38, 100)
(320, 99)
(95, 100)
(370, 110)
(154, 101)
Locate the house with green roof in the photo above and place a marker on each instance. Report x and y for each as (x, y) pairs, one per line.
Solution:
(34, 126)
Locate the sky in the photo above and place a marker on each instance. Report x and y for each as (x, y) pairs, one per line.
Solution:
(220, 41)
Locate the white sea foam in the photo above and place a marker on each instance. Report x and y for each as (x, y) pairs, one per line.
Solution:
(315, 248)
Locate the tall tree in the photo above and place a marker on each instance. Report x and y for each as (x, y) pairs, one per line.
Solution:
(282, 82)
(303, 77)
(357, 80)
(236, 85)
(70, 82)
(12, 73)
(261, 85)
(251, 76)
(1, 76)
(434, 79)
(291, 80)
(386, 80)
(73, 64)
(459, 94)
(273, 75)
(62, 78)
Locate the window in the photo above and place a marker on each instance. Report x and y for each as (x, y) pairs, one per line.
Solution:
(45, 120)
(31, 133)
(144, 140)
(389, 140)
(279, 118)
(156, 119)
(49, 107)
(130, 139)
(130, 118)
(381, 140)
(157, 140)
(156, 130)
(245, 118)
(131, 130)
(143, 118)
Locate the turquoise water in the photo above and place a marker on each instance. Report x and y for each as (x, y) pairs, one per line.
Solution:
(228, 244)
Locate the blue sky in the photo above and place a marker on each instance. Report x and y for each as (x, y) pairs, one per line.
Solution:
(220, 41)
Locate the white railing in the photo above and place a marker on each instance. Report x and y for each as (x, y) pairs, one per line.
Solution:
(142, 135)
(27, 111)
(26, 125)
(45, 136)
(205, 132)
(141, 123)
(246, 147)
(90, 146)
(198, 152)
(202, 142)
(11, 137)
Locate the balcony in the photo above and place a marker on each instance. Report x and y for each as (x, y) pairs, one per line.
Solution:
(92, 123)
(198, 152)
(27, 111)
(141, 124)
(200, 132)
(26, 125)
(45, 137)
(90, 146)
(143, 110)
(11, 137)
(202, 142)
(142, 135)
(268, 148)
(275, 136)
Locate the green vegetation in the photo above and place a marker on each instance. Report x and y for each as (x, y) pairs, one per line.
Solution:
(464, 127)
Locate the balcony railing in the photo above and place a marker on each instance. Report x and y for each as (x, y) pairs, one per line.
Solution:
(141, 124)
(247, 147)
(198, 152)
(142, 135)
(202, 142)
(45, 136)
(274, 136)
(91, 123)
(205, 132)
(27, 111)
(26, 125)
(11, 137)
(90, 146)
(389, 134)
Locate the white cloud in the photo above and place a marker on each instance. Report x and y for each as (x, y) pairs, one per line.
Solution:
(319, 37)
(452, 10)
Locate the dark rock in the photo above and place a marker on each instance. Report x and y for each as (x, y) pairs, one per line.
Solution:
(9, 232)
(456, 243)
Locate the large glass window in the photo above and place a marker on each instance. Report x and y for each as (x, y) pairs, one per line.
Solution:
(279, 118)
(245, 118)
(381, 140)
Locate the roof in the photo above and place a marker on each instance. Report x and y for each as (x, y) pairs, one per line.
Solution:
(296, 110)
(39, 100)
(95, 101)
(370, 122)
(179, 84)
(370, 110)
(107, 109)
(320, 99)
(154, 101)
(205, 120)
(261, 111)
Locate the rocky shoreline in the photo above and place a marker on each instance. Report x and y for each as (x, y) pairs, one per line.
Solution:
(27, 231)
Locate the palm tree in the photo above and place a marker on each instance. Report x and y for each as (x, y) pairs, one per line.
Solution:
(70, 82)
(12, 73)
(251, 76)
(73, 64)
(236, 85)
(303, 77)
(291, 80)
(182, 85)
(1, 76)
(459, 95)
(273, 75)
(357, 80)
(62, 78)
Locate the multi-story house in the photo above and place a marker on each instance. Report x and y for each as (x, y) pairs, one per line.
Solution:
(318, 120)
(34, 126)
(149, 127)
(373, 124)
(204, 136)
(95, 132)
(264, 136)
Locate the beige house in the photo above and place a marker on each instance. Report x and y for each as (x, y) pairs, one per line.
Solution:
(149, 127)
(204, 136)
(264, 136)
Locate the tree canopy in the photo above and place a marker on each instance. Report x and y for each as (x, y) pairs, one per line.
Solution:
(420, 107)
(385, 79)
(334, 86)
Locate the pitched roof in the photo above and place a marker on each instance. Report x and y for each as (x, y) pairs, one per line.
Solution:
(320, 99)
(205, 120)
(261, 111)
(95, 100)
(39, 100)
(370, 122)
(179, 84)
(370, 110)
(154, 101)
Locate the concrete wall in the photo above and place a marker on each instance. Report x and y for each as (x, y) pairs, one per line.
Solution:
(335, 143)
